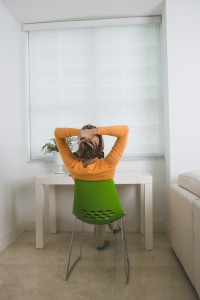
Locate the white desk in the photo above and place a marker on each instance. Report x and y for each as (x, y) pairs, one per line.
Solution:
(51, 179)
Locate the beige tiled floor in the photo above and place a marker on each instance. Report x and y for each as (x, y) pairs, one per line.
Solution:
(29, 273)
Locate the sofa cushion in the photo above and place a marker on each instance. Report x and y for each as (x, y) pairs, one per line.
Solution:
(181, 226)
(190, 181)
(196, 210)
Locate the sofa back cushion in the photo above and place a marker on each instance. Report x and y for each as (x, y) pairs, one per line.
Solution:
(190, 181)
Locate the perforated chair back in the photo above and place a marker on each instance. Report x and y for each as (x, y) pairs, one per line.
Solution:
(97, 202)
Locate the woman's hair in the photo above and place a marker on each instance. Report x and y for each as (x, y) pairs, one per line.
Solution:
(85, 151)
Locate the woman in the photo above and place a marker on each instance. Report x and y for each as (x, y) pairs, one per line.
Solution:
(86, 164)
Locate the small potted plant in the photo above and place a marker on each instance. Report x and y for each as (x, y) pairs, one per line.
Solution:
(51, 147)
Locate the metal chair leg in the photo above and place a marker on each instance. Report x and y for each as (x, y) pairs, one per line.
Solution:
(126, 259)
(69, 269)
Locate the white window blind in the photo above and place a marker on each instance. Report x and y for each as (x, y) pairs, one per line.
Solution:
(103, 76)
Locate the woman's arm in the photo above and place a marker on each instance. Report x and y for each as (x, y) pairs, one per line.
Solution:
(60, 136)
(121, 132)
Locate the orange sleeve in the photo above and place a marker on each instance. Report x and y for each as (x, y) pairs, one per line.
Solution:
(60, 136)
(121, 132)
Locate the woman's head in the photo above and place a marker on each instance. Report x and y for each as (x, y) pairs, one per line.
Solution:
(85, 151)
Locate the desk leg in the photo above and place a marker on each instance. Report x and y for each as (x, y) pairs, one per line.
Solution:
(142, 208)
(39, 202)
(52, 209)
(148, 217)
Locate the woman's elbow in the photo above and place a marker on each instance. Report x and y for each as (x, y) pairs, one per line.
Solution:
(56, 132)
(126, 129)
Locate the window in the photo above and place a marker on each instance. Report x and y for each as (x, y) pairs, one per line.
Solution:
(99, 75)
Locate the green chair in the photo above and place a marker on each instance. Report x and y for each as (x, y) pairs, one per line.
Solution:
(97, 202)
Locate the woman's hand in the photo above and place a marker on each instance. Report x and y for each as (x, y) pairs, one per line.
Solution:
(89, 136)
(93, 142)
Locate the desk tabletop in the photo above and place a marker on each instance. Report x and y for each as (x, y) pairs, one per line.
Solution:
(121, 177)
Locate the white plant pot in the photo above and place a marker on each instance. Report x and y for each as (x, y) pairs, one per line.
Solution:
(59, 163)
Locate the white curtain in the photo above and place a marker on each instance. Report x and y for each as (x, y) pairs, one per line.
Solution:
(103, 76)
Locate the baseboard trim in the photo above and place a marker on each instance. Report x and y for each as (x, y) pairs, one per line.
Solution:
(11, 236)
(158, 226)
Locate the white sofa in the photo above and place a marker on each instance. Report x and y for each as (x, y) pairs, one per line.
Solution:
(185, 224)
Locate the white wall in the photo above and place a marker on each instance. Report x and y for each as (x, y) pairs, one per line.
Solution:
(165, 115)
(182, 94)
(11, 185)
(183, 48)
(18, 174)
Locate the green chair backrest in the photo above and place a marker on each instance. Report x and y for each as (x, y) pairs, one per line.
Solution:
(97, 202)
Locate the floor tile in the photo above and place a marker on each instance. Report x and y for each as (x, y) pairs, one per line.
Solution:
(155, 283)
(83, 284)
(27, 273)
(19, 281)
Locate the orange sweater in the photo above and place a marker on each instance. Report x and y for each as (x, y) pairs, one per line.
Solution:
(103, 168)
